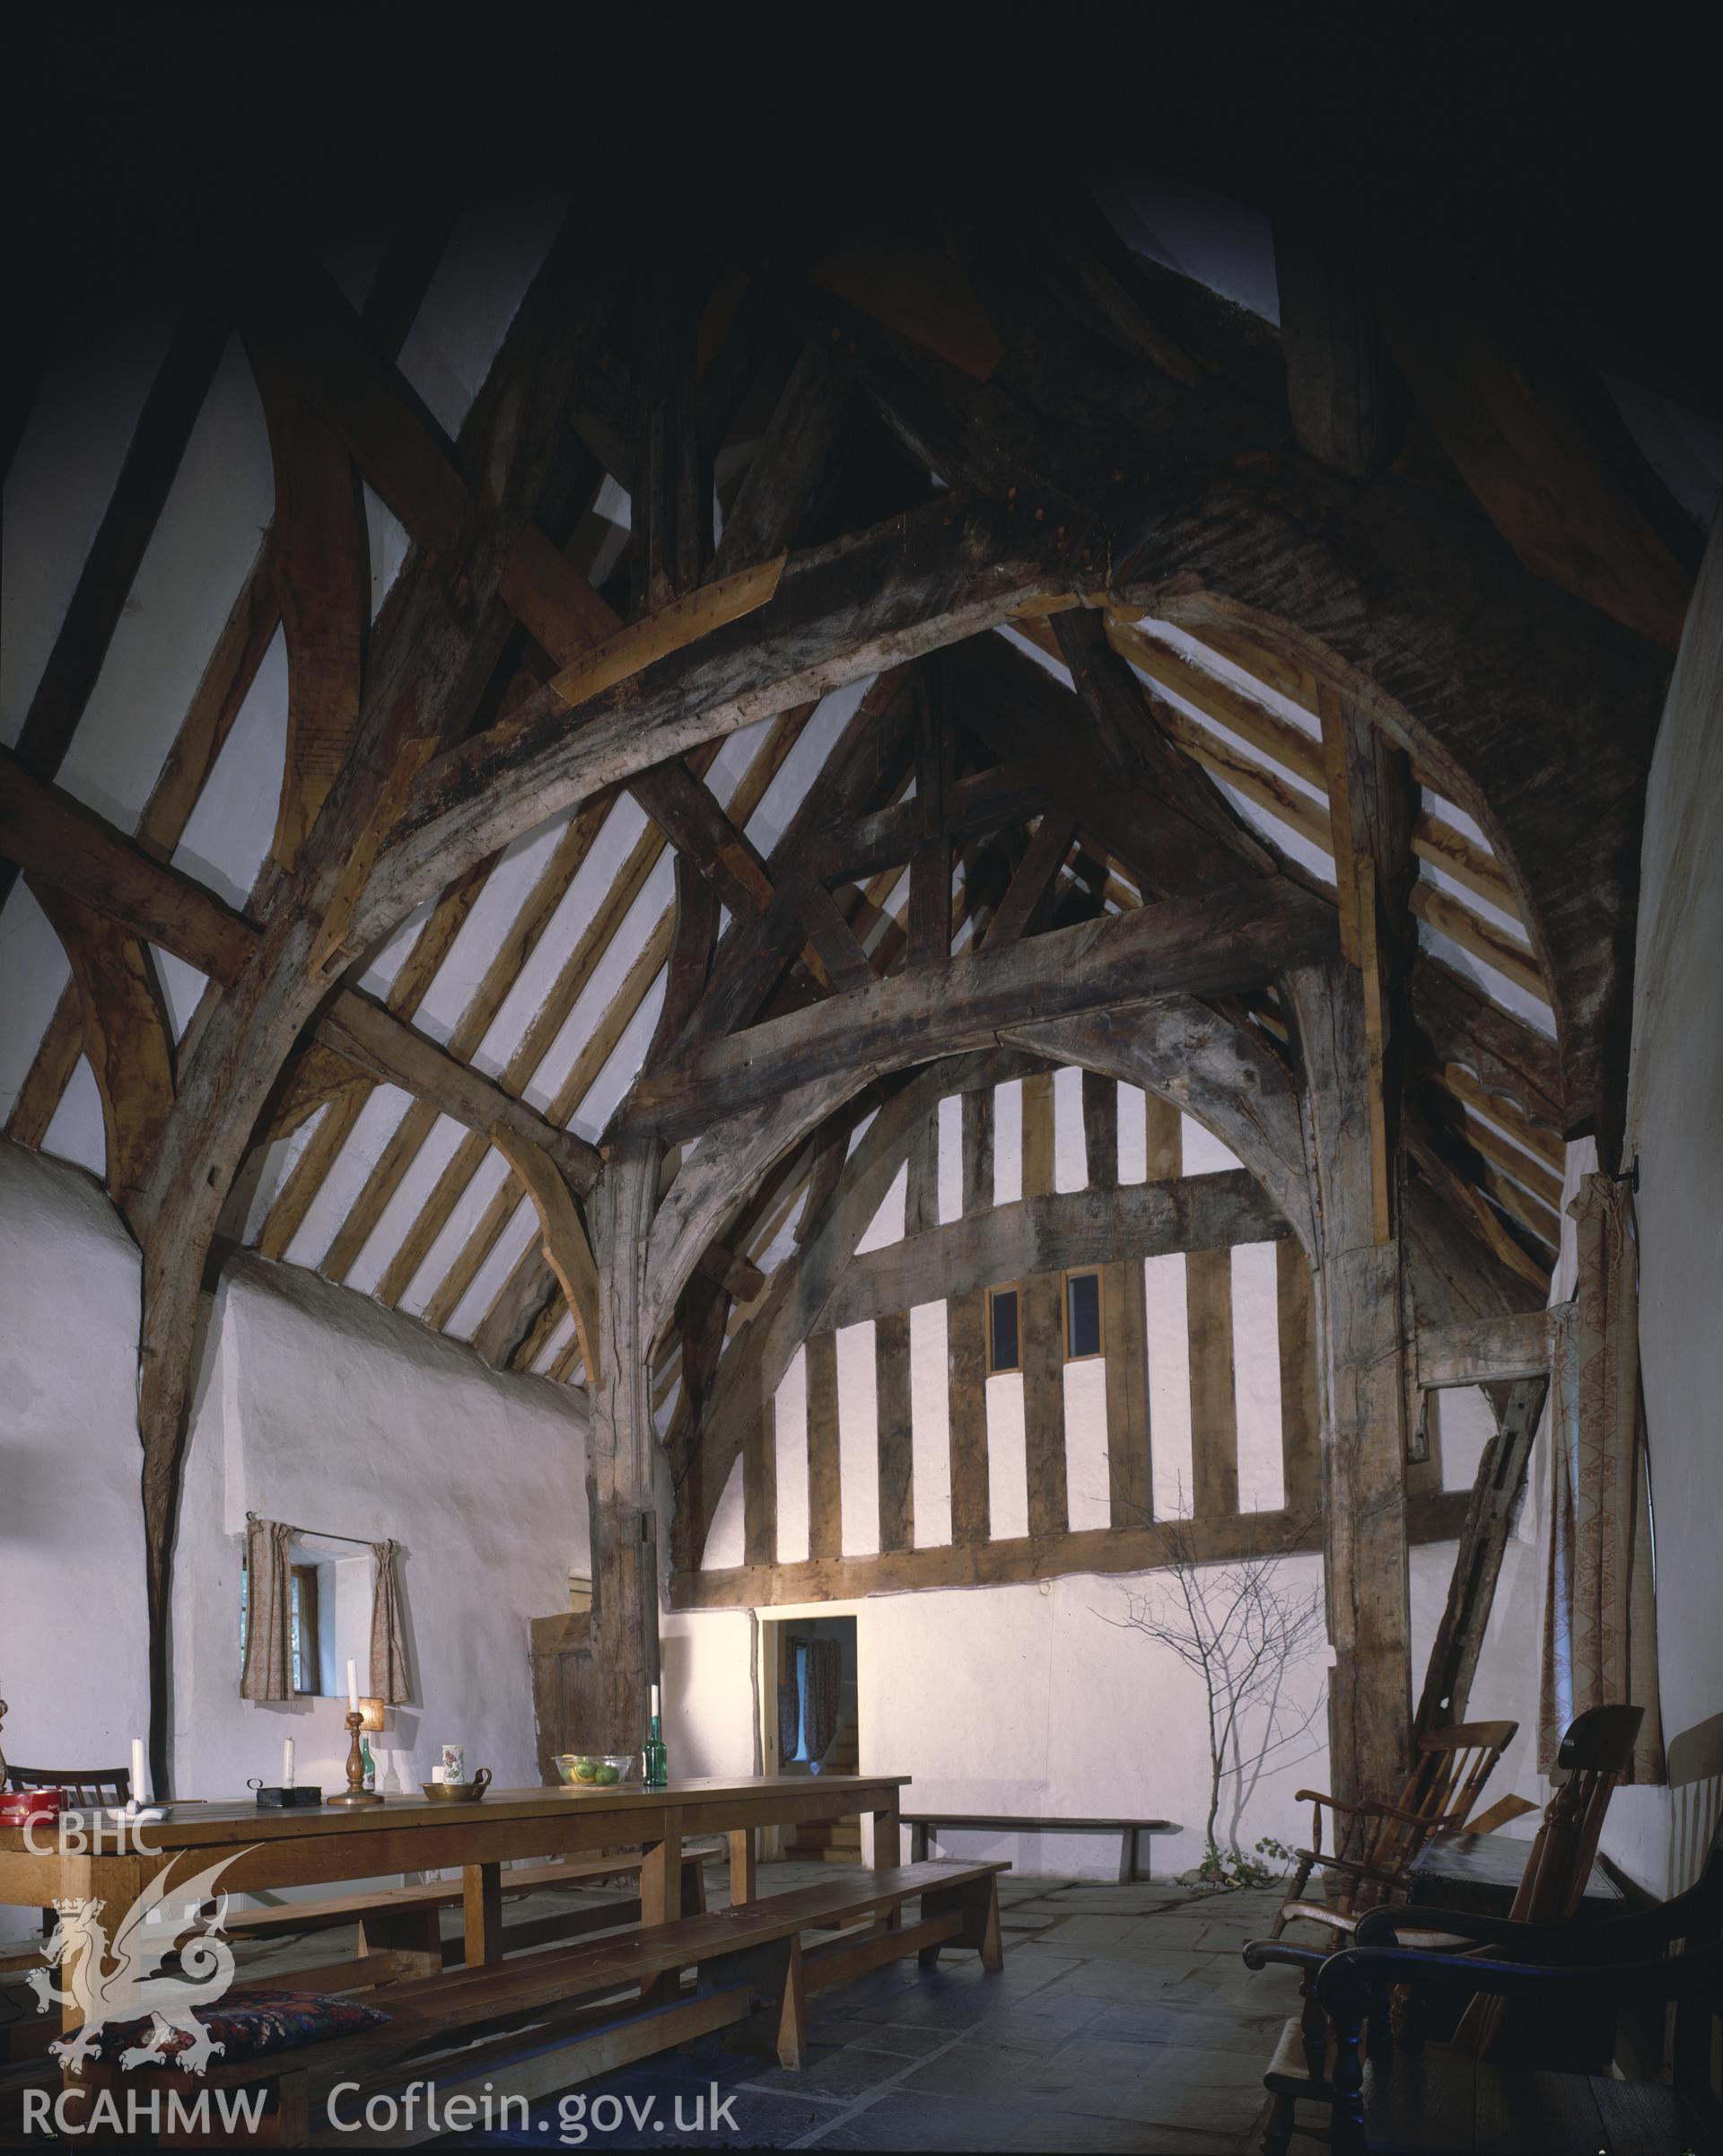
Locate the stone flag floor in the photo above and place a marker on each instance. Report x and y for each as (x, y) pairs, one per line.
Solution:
(1123, 2020)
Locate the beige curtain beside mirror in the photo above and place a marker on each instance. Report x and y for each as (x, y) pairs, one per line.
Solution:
(267, 1670)
(391, 1679)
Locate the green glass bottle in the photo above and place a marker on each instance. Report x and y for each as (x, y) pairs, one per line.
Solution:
(368, 1763)
(655, 1761)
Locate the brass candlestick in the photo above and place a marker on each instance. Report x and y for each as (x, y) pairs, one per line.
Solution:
(356, 1792)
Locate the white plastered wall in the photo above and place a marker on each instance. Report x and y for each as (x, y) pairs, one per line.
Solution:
(1033, 1698)
(317, 1406)
(1674, 1130)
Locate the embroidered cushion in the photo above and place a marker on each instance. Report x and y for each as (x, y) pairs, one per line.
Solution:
(251, 2026)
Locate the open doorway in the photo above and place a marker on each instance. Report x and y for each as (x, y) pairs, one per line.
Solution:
(811, 1725)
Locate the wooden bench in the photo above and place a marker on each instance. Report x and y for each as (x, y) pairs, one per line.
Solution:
(924, 1827)
(406, 1921)
(751, 1977)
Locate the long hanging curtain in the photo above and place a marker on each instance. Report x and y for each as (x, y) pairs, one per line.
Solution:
(823, 1670)
(790, 1701)
(267, 1670)
(1600, 1645)
(391, 1681)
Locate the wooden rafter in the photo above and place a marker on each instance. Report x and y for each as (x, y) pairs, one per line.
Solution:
(407, 991)
(1166, 824)
(68, 847)
(390, 305)
(1504, 408)
(1470, 1202)
(1346, 402)
(754, 953)
(322, 570)
(1493, 679)
(1289, 752)
(1537, 1138)
(115, 555)
(925, 586)
(1440, 910)
(408, 460)
(577, 971)
(1511, 1061)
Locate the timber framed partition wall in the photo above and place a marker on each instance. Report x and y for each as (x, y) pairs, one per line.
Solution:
(1028, 1249)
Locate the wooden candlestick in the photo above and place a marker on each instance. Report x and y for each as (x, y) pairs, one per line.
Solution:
(356, 1792)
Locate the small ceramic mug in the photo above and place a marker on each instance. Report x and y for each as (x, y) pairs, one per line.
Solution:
(454, 1763)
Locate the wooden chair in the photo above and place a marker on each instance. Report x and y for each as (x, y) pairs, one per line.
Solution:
(1390, 2103)
(1453, 1766)
(87, 1788)
(1593, 1753)
(1694, 1917)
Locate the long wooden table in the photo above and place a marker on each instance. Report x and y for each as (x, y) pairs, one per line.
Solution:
(273, 1849)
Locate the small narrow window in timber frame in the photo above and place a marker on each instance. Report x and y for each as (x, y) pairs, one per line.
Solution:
(1083, 1337)
(1003, 1349)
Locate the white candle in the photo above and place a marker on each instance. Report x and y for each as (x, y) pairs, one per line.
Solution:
(287, 1764)
(137, 1770)
(353, 1688)
(436, 1774)
(655, 1703)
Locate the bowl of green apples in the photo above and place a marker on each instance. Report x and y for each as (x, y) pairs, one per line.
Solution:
(598, 1770)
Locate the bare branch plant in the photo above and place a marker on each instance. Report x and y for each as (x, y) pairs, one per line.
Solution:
(1241, 1629)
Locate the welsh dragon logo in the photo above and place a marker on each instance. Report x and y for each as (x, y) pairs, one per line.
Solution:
(123, 1978)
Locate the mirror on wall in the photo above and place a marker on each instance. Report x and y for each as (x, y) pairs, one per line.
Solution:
(332, 1615)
